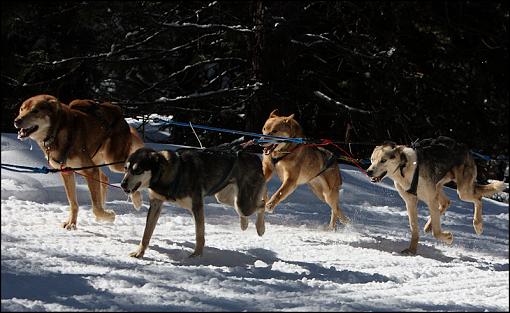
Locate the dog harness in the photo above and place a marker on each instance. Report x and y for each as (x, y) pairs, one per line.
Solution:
(414, 182)
(276, 160)
(327, 164)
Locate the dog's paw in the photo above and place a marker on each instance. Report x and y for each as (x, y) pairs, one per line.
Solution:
(69, 225)
(448, 237)
(137, 254)
(344, 220)
(244, 222)
(195, 254)
(105, 216)
(478, 226)
(408, 251)
(261, 229)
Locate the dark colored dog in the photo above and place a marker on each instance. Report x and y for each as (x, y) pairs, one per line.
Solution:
(186, 176)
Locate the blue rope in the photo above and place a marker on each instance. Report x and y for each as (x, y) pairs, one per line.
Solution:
(27, 169)
(481, 156)
(266, 138)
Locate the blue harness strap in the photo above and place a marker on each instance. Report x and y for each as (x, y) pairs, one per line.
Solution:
(27, 169)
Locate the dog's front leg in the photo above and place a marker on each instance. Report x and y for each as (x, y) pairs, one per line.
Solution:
(70, 187)
(150, 224)
(287, 187)
(198, 214)
(412, 213)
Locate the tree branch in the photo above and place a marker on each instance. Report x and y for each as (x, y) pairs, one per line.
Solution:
(345, 106)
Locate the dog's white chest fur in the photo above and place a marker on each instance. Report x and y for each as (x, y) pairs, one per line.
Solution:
(184, 202)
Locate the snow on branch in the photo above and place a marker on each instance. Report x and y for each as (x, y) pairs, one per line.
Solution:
(345, 106)
(195, 95)
(187, 67)
(237, 28)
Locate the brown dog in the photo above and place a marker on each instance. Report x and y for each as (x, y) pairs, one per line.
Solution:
(298, 164)
(82, 134)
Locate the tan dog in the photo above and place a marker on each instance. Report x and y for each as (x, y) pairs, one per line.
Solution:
(84, 133)
(298, 164)
(439, 161)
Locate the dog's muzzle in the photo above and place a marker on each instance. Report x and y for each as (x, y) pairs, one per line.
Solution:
(376, 179)
(124, 186)
(268, 148)
(23, 133)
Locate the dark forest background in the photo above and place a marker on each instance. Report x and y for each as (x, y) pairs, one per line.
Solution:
(351, 71)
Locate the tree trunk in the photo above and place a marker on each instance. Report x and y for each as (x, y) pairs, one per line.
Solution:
(254, 109)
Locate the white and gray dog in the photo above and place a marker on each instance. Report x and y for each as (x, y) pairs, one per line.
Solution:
(419, 173)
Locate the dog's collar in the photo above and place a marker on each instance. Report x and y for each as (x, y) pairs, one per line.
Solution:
(285, 153)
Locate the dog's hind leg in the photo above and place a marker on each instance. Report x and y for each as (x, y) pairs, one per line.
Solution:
(444, 203)
(329, 195)
(229, 196)
(466, 193)
(466, 190)
(70, 187)
(92, 177)
(261, 199)
(435, 217)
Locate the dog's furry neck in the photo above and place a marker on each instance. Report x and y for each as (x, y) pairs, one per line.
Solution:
(51, 136)
(165, 178)
(52, 141)
(288, 147)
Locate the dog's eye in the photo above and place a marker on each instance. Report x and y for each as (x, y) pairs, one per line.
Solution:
(35, 111)
(138, 171)
(383, 160)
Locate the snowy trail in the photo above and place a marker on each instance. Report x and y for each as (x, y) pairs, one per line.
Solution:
(296, 266)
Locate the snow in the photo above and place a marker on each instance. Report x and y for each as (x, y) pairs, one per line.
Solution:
(298, 265)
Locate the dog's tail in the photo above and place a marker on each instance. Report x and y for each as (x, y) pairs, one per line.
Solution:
(490, 189)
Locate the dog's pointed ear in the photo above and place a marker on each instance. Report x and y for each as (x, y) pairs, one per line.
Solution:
(154, 157)
(288, 118)
(397, 150)
(273, 114)
(389, 143)
(55, 104)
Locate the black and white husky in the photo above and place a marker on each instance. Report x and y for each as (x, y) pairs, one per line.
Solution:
(187, 175)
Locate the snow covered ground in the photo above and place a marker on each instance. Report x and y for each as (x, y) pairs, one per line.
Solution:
(296, 266)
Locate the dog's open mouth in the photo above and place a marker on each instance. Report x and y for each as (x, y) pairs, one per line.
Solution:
(378, 178)
(270, 148)
(23, 133)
